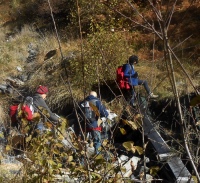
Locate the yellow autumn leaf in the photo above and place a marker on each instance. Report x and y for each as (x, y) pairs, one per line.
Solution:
(51, 162)
(123, 169)
(99, 122)
(133, 125)
(70, 158)
(105, 142)
(48, 124)
(63, 124)
(19, 111)
(137, 116)
(118, 176)
(94, 174)
(92, 145)
(94, 108)
(1, 135)
(123, 131)
(154, 170)
(8, 148)
(56, 151)
(139, 149)
(138, 119)
(44, 111)
(133, 149)
(36, 117)
(59, 145)
(28, 138)
(128, 145)
(195, 179)
(125, 121)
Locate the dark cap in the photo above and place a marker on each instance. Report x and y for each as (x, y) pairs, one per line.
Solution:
(132, 59)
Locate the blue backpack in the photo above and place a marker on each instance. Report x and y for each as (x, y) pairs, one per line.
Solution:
(88, 110)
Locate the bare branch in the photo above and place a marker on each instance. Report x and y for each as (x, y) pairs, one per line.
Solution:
(149, 27)
(170, 16)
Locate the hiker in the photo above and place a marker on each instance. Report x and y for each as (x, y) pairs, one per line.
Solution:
(21, 114)
(40, 104)
(133, 80)
(92, 124)
(19, 110)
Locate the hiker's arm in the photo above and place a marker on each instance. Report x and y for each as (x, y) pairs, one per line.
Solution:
(128, 71)
(52, 117)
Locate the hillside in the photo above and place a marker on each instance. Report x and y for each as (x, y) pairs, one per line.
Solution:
(184, 39)
(75, 50)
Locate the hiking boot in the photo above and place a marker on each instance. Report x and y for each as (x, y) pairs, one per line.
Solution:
(153, 96)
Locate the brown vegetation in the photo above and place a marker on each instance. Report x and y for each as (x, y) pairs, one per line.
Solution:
(89, 60)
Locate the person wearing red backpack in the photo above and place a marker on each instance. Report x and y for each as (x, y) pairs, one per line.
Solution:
(132, 77)
(39, 102)
(20, 110)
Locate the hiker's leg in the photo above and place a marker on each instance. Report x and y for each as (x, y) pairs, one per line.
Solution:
(126, 94)
(129, 95)
(145, 84)
(133, 96)
(96, 136)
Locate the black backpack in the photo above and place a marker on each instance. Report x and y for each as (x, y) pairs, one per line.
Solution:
(88, 110)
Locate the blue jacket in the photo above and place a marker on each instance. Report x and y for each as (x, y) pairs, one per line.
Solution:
(129, 72)
(102, 110)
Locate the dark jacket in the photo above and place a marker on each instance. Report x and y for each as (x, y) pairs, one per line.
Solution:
(38, 101)
(102, 110)
(130, 73)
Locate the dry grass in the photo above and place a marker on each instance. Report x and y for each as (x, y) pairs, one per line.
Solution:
(2, 114)
(6, 173)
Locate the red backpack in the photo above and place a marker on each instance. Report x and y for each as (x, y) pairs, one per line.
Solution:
(121, 80)
(18, 111)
